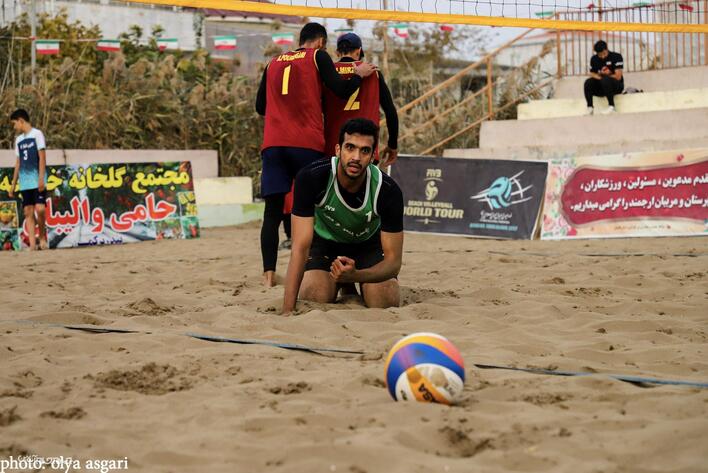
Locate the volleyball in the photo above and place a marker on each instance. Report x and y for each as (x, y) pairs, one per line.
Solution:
(425, 367)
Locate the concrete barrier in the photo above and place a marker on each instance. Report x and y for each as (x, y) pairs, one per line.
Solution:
(223, 190)
(630, 103)
(205, 163)
(55, 157)
(224, 201)
(677, 125)
(546, 153)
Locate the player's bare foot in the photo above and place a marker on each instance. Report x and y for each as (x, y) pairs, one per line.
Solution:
(269, 279)
(43, 244)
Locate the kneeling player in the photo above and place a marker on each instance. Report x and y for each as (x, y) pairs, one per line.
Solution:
(347, 225)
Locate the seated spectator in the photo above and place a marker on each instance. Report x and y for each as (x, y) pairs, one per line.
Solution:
(605, 77)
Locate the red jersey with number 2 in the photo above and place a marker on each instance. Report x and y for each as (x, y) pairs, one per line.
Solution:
(363, 103)
(293, 115)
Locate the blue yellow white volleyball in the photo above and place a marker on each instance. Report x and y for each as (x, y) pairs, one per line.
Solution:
(425, 367)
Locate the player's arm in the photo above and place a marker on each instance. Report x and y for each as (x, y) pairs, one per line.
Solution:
(390, 153)
(42, 151)
(261, 95)
(303, 226)
(42, 168)
(15, 175)
(302, 232)
(342, 88)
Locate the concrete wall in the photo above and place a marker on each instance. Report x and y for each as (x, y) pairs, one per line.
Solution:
(545, 153)
(115, 19)
(225, 201)
(253, 39)
(592, 130)
(223, 190)
(205, 163)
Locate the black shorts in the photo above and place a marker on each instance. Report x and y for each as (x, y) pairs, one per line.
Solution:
(324, 252)
(280, 166)
(33, 197)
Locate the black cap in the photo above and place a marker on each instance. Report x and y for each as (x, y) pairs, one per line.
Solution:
(350, 41)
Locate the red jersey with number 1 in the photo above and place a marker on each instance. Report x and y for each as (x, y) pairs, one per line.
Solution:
(363, 103)
(293, 115)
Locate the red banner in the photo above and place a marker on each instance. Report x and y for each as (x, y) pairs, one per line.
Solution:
(596, 194)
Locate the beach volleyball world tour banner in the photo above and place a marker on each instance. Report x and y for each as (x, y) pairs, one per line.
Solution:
(638, 194)
(106, 204)
(473, 197)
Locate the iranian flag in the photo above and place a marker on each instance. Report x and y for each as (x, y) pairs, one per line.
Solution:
(167, 43)
(283, 38)
(341, 31)
(108, 45)
(447, 28)
(47, 46)
(225, 43)
(401, 30)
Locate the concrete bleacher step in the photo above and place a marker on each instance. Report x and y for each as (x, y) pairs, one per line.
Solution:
(629, 103)
(545, 153)
(677, 125)
(648, 81)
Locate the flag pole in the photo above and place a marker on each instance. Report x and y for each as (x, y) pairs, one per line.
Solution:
(33, 34)
(385, 44)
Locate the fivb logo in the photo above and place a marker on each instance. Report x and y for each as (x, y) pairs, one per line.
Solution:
(505, 192)
(431, 177)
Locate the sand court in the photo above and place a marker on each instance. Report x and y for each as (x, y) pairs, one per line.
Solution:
(168, 402)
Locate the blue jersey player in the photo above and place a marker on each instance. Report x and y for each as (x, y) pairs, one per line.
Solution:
(30, 168)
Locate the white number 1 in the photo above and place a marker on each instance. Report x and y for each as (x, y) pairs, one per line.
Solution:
(368, 216)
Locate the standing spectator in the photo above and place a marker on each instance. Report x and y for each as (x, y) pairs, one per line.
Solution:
(606, 78)
(30, 168)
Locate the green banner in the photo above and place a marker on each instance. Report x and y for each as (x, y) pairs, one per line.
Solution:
(104, 204)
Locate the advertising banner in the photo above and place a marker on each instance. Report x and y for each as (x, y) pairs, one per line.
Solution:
(105, 204)
(473, 197)
(639, 194)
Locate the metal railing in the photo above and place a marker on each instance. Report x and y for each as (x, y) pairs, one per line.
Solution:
(641, 51)
(478, 106)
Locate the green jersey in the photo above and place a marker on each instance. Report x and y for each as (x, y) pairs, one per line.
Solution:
(337, 221)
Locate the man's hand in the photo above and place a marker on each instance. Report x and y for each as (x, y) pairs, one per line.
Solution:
(11, 192)
(365, 69)
(40, 187)
(388, 156)
(343, 269)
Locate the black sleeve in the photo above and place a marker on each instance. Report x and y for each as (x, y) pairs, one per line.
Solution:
(595, 64)
(390, 206)
(342, 88)
(619, 61)
(310, 186)
(389, 109)
(261, 96)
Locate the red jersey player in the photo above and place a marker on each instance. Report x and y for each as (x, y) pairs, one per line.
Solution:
(363, 103)
(290, 98)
